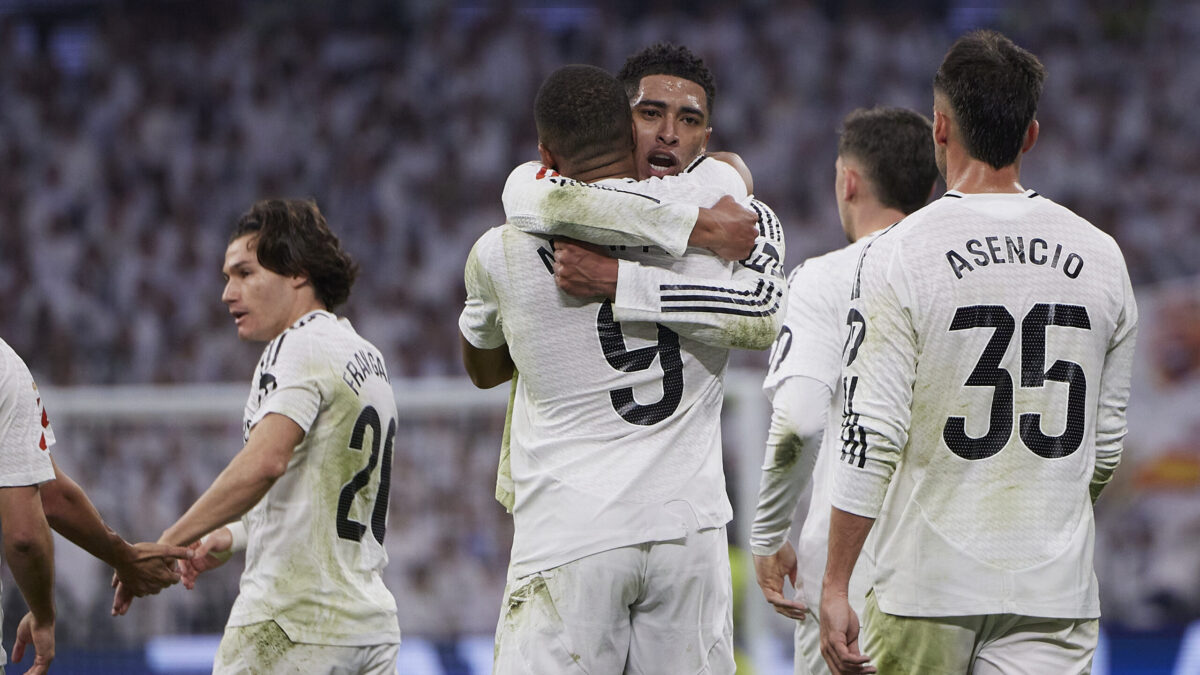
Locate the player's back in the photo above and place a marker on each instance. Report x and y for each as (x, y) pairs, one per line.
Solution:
(1014, 305)
(316, 540)
(611, 420)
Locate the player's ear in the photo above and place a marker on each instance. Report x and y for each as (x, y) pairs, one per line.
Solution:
(850, 180)
(546, 156)
(1031, 136)
(941, 128)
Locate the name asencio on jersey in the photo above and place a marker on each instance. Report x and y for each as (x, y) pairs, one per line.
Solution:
(364, 364)
(999, 250)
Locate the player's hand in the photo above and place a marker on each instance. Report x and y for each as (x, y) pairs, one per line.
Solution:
(122, 597)
(839, 635)
(771, 570)
(210, 552)
(41, 636)
(727, 229)
(150, 567)
(584, 270)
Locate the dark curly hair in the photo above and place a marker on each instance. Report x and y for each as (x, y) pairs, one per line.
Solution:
(293, 239)
(895, 148)
(664, 58)
(581, 113)
(993, 87)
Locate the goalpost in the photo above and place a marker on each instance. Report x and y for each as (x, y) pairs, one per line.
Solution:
(143, 453)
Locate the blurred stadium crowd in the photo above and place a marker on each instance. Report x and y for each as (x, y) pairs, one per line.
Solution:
(132, 134)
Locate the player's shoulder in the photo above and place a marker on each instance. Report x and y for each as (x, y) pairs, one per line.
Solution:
(527, 172)
(311, 338)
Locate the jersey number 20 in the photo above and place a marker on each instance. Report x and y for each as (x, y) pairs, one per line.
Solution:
(352, 529)
(988, 373)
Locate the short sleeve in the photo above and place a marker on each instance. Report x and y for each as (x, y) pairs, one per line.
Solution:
(479, 321)
(292, 381)
(25, 433)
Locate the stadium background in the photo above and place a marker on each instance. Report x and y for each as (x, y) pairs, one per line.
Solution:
(132, 133)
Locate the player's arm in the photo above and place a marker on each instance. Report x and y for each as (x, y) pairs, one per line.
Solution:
(672, 214)
(486, 367)
(800, 406)
(744, 310)
(878, 376)
(735, 160)
(145, 568)
(839, 625)
(484, 351)
(1114, 395)
(29, 552)
(245, 481)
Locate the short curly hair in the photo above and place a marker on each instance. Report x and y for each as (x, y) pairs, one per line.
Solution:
(292, 238)
(581, 112)
(664, 58)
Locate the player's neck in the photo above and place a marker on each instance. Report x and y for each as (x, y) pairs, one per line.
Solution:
(973, 176)
(873, 219)
(610, 165)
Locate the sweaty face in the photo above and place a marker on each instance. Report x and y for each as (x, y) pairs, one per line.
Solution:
(261, 301)
(670, 122)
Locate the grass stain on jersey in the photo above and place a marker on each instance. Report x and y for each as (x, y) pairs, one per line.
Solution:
(750, 333)
(266, 643)
(787, 453)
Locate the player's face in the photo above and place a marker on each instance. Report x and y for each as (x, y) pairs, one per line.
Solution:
(261, 301)
(670, 123)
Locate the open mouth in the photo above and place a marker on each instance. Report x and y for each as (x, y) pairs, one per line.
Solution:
(237, 316)
(662, 163)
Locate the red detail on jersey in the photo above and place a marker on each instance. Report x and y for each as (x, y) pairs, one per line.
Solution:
(42, 443)
(542, 173)
(45, 419)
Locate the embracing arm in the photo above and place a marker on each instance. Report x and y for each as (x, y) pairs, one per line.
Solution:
(677, 215)
(743, 310)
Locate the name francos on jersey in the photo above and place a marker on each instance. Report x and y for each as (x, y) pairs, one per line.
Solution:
(1004, 249)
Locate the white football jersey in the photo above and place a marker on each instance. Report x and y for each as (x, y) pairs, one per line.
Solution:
(315, 542)
(987, 373)
(810, 345)
(25, 433)
(615, 425)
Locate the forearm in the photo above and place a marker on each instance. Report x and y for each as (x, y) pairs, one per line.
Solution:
(29, 548)
(539, 201)
(847, 533)
(235, 491)
(793, 443)
(70, 513)
(742, 311)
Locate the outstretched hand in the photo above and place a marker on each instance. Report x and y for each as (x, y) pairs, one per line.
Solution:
(208, 553)
(151, 567)
(771, 570)
(41, 636)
